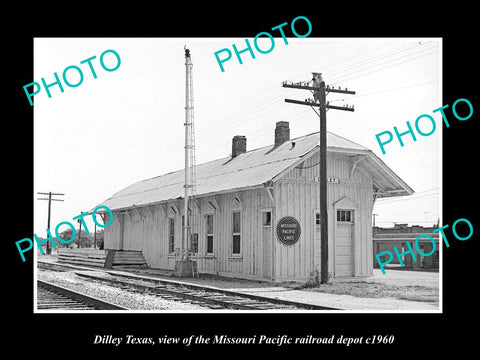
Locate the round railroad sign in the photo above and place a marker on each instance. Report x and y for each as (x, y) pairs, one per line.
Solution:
(288, 230)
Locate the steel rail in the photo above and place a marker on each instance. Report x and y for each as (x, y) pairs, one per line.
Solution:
(201, 294)
(67, 299)
(215, 298)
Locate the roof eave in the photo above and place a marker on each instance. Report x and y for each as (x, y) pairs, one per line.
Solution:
(402, 190)
(133, 206)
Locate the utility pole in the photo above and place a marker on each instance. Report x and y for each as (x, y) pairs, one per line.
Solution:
(50, 199)
(320, 91)
(80, 231)
(95, 236)
(426, 218)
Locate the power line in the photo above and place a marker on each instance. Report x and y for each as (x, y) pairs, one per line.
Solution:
(424, 194)
(406, 221)
(389, 201)
(380, 69)
(421, 192)
(389, 90)
(356, 56)
(262, 103)
(254, 107)
(50, 199)
(410, 197)
(265, 102)
(376, 58)
(360, 64)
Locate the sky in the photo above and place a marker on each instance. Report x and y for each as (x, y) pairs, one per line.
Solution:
(128, 125)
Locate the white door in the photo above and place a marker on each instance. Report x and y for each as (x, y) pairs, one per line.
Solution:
(343, 243)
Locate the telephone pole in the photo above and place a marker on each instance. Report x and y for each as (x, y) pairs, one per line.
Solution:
(319, 90)
(50, 199)
(80, 231)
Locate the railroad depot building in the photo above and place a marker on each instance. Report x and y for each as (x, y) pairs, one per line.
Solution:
(256, 213)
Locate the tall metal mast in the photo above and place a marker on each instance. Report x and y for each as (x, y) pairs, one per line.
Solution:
(189, 155)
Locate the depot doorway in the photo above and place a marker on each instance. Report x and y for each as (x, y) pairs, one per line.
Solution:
(344, 231)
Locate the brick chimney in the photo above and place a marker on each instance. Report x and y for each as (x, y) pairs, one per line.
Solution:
(239, 145)
(282, 133)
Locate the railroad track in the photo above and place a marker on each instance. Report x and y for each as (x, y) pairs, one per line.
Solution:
(197, 294)
(212, 298)
(54, 297)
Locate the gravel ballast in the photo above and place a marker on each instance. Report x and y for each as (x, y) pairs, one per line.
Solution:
(127, 299)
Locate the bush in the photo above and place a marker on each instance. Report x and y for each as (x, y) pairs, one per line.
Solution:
(314, 279)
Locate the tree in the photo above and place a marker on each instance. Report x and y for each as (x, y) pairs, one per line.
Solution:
(65, 235)
(83, 241)
(86, 241)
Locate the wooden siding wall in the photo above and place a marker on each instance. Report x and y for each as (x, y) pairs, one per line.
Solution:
(147, 230)
(297, 195)
(143, 229)
(112, 233)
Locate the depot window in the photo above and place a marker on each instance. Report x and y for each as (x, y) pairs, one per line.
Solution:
(344, 216)
(194, 242)
(236, 235)
(209, 233)
(266, 218)
(171, 235)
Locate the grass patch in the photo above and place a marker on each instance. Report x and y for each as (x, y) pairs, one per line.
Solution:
(372, 290)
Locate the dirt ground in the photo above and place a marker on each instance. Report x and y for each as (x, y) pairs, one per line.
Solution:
(420, 286)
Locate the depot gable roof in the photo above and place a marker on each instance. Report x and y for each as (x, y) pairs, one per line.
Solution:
(254, 168)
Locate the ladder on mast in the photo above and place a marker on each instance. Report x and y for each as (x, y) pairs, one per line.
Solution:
(190, 164)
